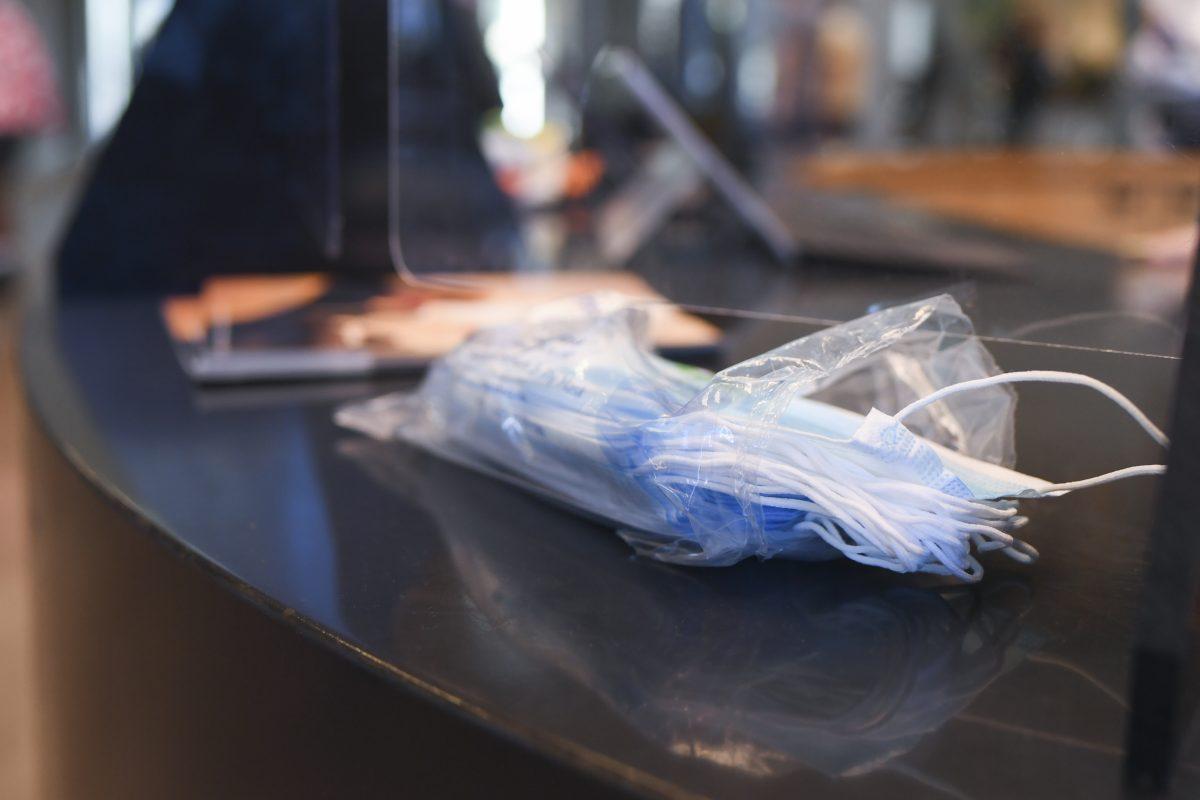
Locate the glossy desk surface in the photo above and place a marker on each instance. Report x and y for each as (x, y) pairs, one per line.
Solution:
(765, 679)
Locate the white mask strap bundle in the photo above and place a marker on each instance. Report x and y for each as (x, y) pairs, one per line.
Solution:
(1049, 376)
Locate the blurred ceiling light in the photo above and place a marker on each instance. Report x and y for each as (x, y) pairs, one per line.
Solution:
(109, 63)
(910, 38)
(115, 31)
(514, 35)
(757, 79)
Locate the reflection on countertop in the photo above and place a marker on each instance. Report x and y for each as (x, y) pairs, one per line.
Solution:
(541, 624)
(843, 670)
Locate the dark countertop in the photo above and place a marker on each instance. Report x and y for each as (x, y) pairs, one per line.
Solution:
(765, 679)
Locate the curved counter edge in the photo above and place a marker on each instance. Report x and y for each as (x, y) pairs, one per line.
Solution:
(190, 713)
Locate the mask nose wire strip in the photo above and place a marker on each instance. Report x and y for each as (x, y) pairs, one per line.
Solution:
(1051, 376)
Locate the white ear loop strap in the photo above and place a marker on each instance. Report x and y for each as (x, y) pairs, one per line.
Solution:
(1050, 376)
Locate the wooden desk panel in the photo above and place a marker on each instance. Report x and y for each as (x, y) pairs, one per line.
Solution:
(1120, 202)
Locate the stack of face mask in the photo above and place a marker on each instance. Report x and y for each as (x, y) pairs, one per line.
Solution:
(785, 454)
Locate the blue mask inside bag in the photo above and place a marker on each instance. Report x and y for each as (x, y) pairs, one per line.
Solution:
(785, 454)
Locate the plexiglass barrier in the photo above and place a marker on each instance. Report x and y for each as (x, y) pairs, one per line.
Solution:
(778, 163)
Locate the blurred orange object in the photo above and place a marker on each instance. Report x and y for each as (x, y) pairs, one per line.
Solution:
(584, 171)
(235, 299)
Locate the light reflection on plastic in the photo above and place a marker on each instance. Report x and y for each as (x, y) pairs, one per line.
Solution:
(757, 77)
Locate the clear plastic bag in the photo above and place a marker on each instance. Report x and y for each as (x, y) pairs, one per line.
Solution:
(693, 467)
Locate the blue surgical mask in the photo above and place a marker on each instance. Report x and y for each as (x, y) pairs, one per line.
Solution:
(708, 469)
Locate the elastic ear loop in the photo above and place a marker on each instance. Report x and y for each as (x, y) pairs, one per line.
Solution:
(1050, 376)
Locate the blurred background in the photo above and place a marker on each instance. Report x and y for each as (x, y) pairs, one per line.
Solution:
(1064, 121)
(909, 141)
(1068, 119)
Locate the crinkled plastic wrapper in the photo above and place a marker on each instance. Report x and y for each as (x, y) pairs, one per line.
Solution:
(698, 468)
